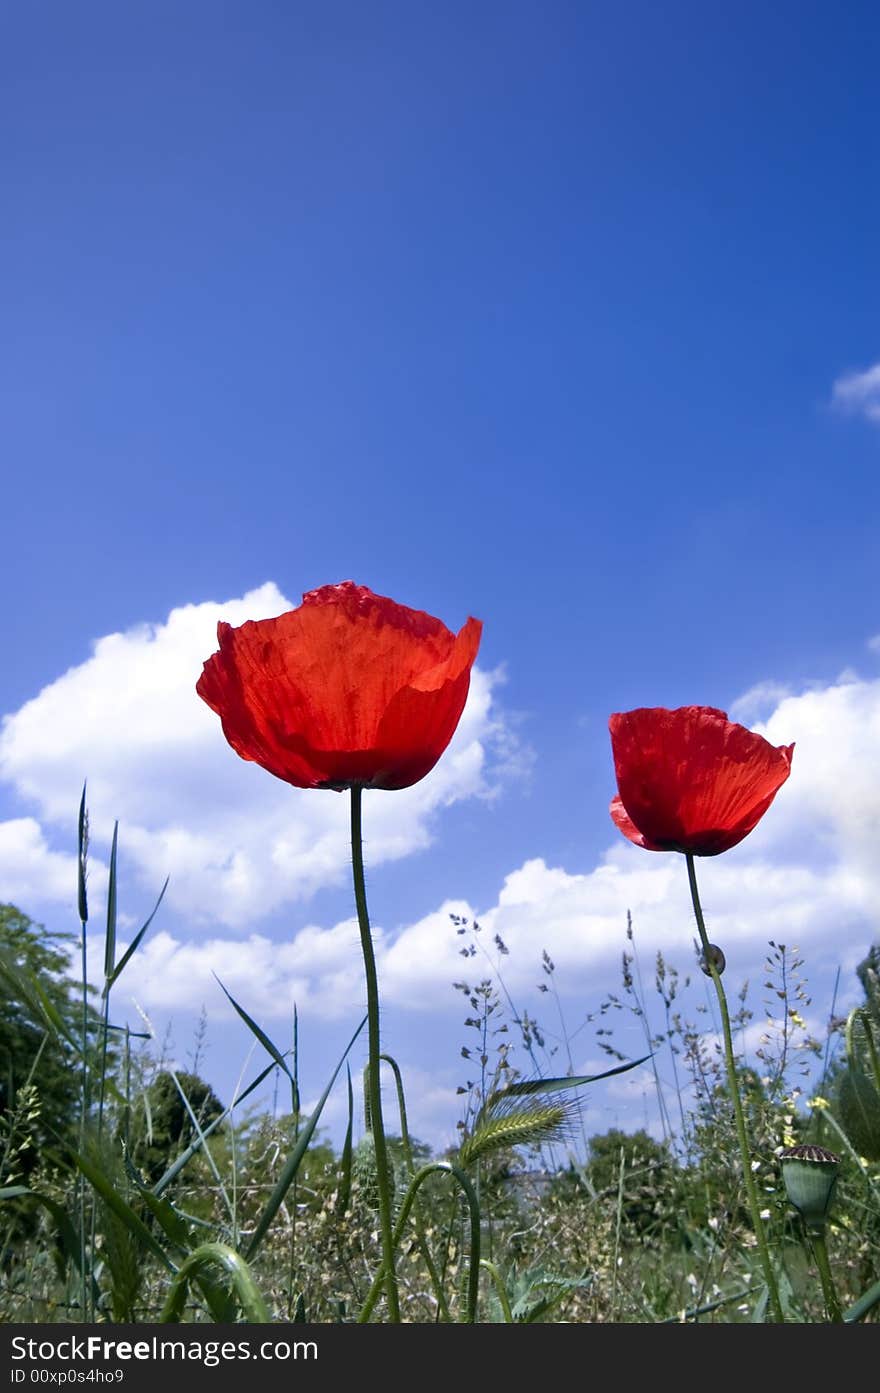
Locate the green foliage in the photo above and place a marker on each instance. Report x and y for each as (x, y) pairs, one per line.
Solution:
(854, 1087)
(638, 1153)
(40, 1025)
(162, 1124)
(267, 1221)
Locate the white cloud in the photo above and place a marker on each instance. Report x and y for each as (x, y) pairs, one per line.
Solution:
(239, 844)
(832, 800)
(759, 700)
(30, 872)
(809, 875)
(236, 842)
(858, 393)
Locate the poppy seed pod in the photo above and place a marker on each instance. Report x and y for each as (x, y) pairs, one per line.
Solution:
(810, 1176)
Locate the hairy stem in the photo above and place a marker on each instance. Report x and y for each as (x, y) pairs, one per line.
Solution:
(829, 1290)
(360, 896)
(748, 1178)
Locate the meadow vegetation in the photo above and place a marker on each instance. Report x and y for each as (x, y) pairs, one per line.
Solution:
(131, 1192)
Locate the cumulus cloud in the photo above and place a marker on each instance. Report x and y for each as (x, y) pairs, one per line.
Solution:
(236, 842)
(759, 700)
(239, 845)
(831, 804)
(30, 872)
(858, 393)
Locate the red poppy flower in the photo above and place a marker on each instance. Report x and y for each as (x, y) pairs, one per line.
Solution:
(691, 780)
(348, 689)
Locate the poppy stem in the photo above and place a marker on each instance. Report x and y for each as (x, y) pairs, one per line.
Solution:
(711, 968)
(375, 1091)
(829, 1291)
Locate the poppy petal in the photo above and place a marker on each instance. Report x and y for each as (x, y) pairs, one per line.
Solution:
(350, 688)
(691, 780)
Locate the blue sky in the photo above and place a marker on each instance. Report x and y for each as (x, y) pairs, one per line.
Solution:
(563, 316)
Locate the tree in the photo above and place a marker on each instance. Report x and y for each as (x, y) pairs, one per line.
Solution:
(35, 986)
(162, 1125)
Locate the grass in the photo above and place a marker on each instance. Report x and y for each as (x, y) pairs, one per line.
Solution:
(158, 1202)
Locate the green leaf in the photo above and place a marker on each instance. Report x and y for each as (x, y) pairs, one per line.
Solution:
(518, 1090)
(536, 1293)
(177, 1166)
(110, 937)
(217, 1255)
(121, 1208)
(171, 1222)
(759, 1311)
(865, 1303)
(293, 1162)
(82, 853)
(218, 1298)
(859, 1108)
(295, 1101)
(135, 943)
(343, 1194)
(68, 1238)
(256, 1031)
(29, 990)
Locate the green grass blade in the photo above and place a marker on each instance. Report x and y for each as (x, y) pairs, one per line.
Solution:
(518, 1090)
(200, 1133)
(295, 1101)
(173, 1225)
(82, 855)
(185, 1156)
(864, 1304)
(69, 1239)
(343, 1194)
(216, 1255)
(121, 1208)
(136, 941)
(255, 1030)
(170, 1219)
(110, 937)
(293, 1162)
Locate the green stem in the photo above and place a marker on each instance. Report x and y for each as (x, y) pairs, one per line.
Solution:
(85, 1312)
(500, 1289)
(219, 1255)
(473, 1288)
(442, 1303)
(360, 896)
(751, 1190)
(829, 1290)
